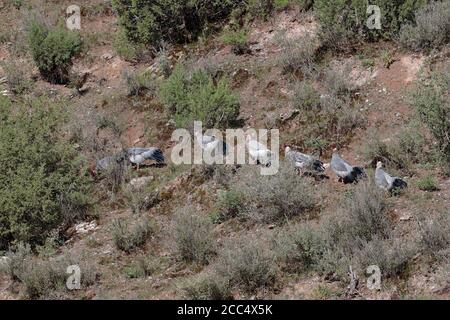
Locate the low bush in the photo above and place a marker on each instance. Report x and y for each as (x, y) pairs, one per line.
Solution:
(247, 264)
(299, 248)
(196, 96)
(53, 49)
(298, 54)
(360, 219)
(128, 239)
(435, 235)
(278, 197)
(427, 183)
(193, 237)
(143, 266)
(305, 97)
(16, 78)
(139, 83)
(406, 148)
(45, 278)
(207, 286)
(431, 102)
(231, 204)
(431, 28)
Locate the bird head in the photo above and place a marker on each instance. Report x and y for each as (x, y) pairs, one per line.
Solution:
(379, 165)
(287, 150)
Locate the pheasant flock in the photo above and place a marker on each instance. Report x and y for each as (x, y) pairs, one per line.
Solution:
(259, 153)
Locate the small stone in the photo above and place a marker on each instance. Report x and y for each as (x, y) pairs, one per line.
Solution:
(107, 56)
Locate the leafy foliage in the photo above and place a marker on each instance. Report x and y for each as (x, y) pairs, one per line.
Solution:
(196, 96)
(53, 49)
(41, 185)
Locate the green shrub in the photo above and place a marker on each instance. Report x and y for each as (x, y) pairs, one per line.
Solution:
(193, 236)
(305, 97)
(128, 239)
(53, 49)
(247, 264)
(124, 47)
(174, 21)
(342, 21)
(427, 183)
(431, 28)
(41, 185)
(234, 37)
(207, 286)
(196, 96)
(433, 107)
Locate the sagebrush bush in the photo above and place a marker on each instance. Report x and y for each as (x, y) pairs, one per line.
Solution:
(192, 236)
(207, 286)
(343, 22)
(391, 256)
(41, 182)
(435, 234)
(277, 197)
(299, 248)
(196, 96)
(142, 266)
(128, 238)
(139, 83)
(53, 49)
(231, 204)
(406, 148)
(431, 28)
(16, 77)
(44, 278)
(247, 263)
(433, 107)
(360, 218)
(305, 97)
(298, 54)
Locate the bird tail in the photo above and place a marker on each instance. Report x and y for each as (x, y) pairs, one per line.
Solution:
(359, 173)
(158, 156)
(399, 184)
(318, 166)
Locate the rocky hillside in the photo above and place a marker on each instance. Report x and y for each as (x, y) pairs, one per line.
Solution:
(167, 231)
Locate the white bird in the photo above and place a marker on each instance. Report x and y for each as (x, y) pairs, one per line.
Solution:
(139, 155)
(303, 161)
(211, 143)
(386, 181)
(258, 152)
(346, 172)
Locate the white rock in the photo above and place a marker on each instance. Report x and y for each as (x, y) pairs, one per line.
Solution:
(86, 227)
(140, 182)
